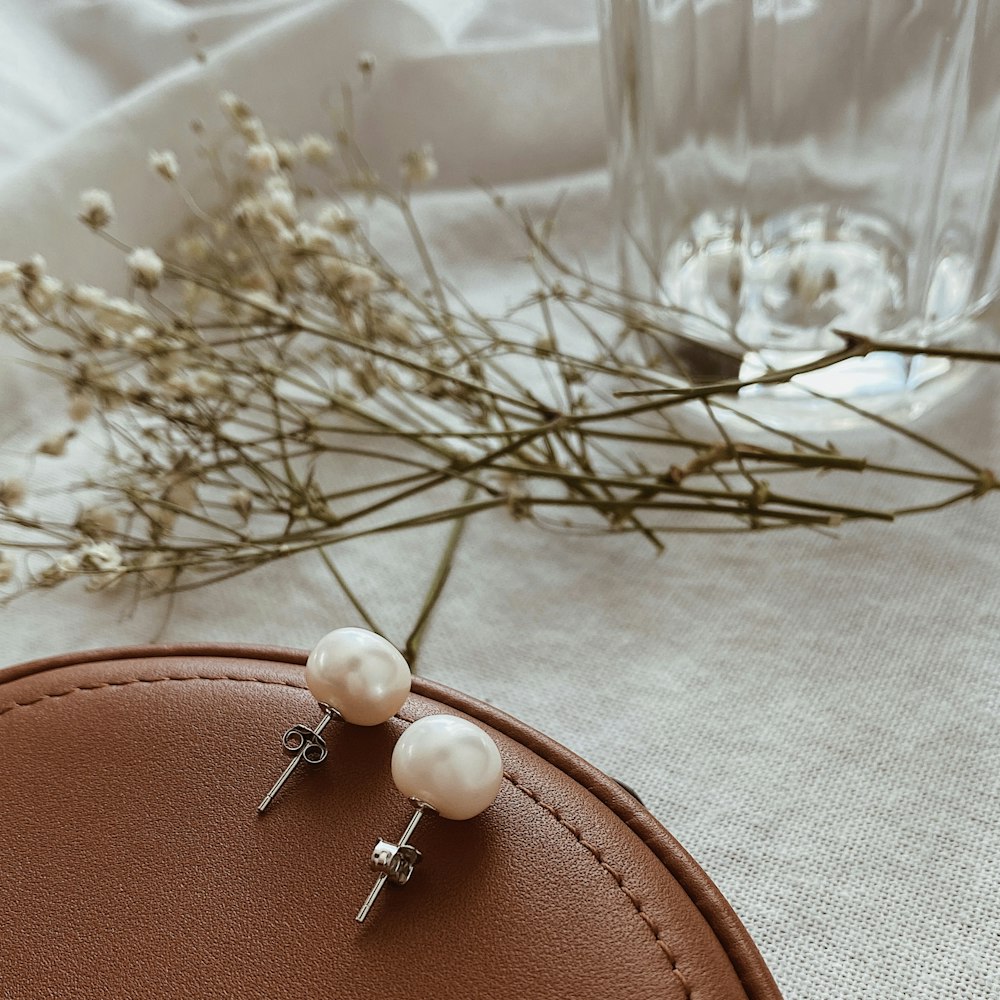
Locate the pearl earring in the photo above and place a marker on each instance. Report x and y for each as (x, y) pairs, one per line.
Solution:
(355, 675)
(444, 765)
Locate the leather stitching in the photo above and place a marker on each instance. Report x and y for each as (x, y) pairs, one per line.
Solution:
(615, 875)
(529, 793)
(142, 680)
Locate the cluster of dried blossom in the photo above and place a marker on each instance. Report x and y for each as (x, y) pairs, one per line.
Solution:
(272, 385)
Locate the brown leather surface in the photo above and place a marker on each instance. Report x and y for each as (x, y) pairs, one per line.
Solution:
(133, 863)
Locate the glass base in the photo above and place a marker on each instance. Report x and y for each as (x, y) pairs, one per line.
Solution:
(769, 294)
(896, 387)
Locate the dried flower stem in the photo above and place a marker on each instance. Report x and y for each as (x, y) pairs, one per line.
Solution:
(274, 386)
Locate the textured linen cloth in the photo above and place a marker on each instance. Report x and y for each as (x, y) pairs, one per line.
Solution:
(815, 718)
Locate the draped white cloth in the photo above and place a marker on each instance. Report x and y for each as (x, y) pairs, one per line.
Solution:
(816, 719)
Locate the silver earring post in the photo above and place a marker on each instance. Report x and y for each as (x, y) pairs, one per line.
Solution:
(394, 862)
(307, 745)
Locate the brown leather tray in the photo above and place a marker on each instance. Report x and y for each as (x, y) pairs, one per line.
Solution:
(133, 863)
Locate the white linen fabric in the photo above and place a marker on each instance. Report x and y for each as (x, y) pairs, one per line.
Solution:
(816, 719)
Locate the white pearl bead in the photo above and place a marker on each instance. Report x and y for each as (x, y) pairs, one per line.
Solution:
(448, 763)
(360, 674)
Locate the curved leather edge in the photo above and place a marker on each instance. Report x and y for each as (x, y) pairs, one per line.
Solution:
(746, 959)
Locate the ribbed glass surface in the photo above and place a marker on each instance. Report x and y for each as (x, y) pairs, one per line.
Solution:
(784, 167)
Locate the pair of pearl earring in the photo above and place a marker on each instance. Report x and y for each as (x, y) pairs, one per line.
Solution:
(443, 764)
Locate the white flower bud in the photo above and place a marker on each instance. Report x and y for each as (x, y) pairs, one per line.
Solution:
(360, 281)
(419, 166)
(97, 210)
(193, 249)
(336, 220)
(87, 296)
(68, 563)
(315, 148)
(235, 107)
(287, 153)
(10, 273)
(262, 157)
(102, 556)
(164, 162)
(241, 501)
(145, 267)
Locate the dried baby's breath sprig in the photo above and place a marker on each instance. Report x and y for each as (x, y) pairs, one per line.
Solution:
(97, 210)
(274, 387)
(419, 166)
(164, 162)
(10, 273)
(55, 445)
(262, 157)
(315, 149)
(146, 267)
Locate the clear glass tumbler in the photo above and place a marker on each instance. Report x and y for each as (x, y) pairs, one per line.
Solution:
(786, 168)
